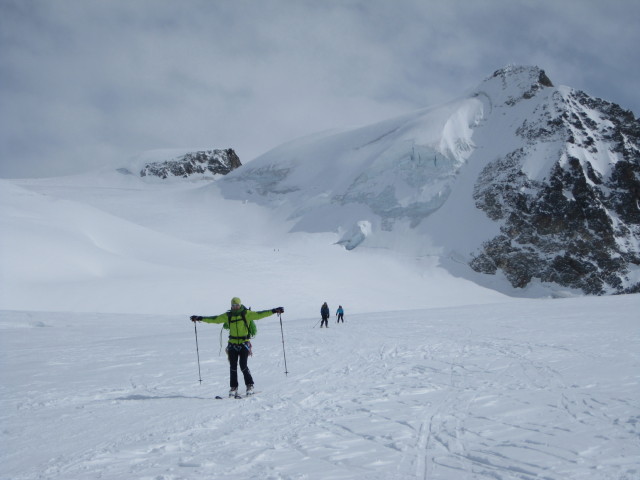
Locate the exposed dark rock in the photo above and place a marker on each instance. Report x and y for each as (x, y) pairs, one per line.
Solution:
(208, 162)
(580, 225)
(544, 80)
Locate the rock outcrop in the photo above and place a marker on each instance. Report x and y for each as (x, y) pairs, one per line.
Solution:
(578, 225)
(202, 163)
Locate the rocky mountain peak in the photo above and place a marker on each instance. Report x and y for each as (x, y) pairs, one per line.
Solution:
(567, 197)
(516, 83)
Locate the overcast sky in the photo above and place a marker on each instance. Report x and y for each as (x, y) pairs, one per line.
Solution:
(85, 83)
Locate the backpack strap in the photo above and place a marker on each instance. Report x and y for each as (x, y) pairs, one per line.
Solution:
(244, 319)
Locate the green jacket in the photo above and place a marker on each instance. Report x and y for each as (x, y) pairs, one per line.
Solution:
(238, 332)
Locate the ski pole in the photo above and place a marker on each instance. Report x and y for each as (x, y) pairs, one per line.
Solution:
(317, 323)
(197, 352)
(286, 372)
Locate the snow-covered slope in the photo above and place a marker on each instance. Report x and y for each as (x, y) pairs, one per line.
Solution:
(515, 179)
(108, 242)
(518, 186)
(387, 175)
(523, 390)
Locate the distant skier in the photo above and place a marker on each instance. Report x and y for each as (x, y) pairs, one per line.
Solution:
(340, 314)
(325, 314)
(239, 322)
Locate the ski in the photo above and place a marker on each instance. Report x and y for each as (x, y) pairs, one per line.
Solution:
(236, 397)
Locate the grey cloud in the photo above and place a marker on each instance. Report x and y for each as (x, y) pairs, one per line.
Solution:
(86, 83)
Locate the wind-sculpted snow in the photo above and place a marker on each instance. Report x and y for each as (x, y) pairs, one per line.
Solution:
(398, 170)
(544, 389)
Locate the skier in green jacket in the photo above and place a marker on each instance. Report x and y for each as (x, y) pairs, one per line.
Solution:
(239, 322)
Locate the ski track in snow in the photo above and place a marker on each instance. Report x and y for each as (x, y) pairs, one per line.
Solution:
(544, 389)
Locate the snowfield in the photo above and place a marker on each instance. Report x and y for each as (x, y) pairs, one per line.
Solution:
(526, 389)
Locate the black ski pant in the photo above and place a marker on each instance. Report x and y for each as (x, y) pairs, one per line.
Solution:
(325, 321)
(340, 317)
(235, 353)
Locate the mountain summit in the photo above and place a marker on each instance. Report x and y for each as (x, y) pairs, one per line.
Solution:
(518, 178)
(566, 194)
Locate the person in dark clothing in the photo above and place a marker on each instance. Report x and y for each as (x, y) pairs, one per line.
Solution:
(239, 322)
(340, 314)
(325, 314)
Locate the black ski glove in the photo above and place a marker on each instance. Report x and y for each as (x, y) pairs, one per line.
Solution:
(196, 318)
(277, 310)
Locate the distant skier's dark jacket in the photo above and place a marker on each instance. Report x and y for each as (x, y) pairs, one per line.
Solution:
(238, 332)
(324, 311)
